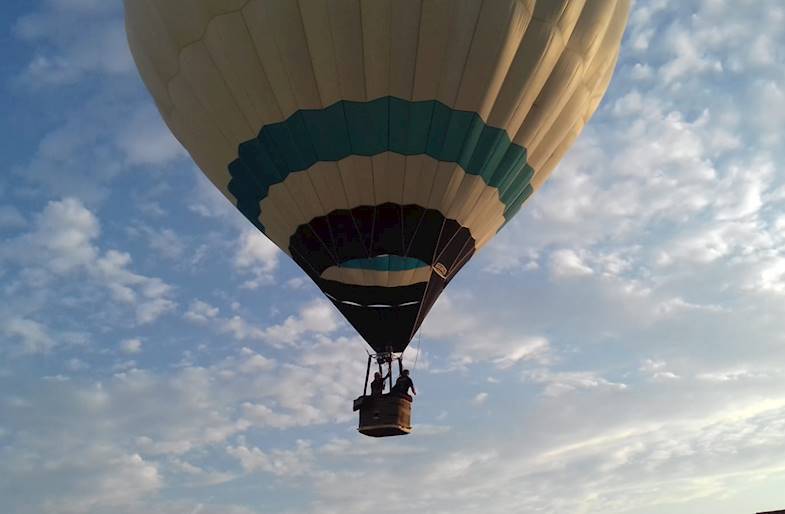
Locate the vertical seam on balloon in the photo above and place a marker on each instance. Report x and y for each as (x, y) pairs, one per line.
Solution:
(581, 83)
(190, 43)
(228, 89)
(389, 60)
(586, 60)
(277, 102)
(416, 53)
(452, 108)
(260, 61)
(346, 121)
(305, 125)
(288, 130)
(198, 100)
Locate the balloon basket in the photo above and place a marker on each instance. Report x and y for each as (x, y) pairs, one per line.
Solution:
(384, 416)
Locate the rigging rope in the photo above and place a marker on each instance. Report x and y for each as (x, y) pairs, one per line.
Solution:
(416, 357)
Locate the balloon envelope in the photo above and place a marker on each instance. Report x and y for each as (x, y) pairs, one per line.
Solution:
(379, 143)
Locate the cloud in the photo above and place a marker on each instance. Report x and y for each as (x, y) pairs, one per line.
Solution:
(567, 263)
(164, 241)
(479, 399)
(63, 237)
(145, 140)
(131, 346)
(258, 256)
(314, 317)
(92, 136)
(282, 463)
(200, 312)
(63, 246)
(474, 337)
(557, 383)
(657, 370)
(317, 317)
(73, 39)
(33, 336)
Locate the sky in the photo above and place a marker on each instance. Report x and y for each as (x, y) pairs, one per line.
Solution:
(618, 348)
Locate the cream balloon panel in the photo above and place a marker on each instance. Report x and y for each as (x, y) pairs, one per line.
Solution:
(546, 165)
(363, 277)
(594, 39)
(576, 112)
(388, 177)
(218, 78)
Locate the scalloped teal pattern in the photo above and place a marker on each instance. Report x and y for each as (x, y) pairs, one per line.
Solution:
(369, 128)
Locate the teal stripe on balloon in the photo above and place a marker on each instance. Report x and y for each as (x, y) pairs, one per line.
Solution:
(370, 128)
(385, 263)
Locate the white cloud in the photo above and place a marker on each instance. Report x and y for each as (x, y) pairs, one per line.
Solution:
(200, 312)
(557, 383)
(241, 329)
(146, 141)
(315, 317)
(472, 336)
(258, 256)
(62, 245)
(531, 349)
(657, 370)
(567, 263)
(64, 234)
(33, 336)
(164, 241)
(479, 399)
(131, 346)
(283, 463)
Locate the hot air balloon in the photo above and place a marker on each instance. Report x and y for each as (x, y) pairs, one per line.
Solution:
(379, 143)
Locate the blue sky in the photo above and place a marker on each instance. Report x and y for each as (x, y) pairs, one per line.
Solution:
(618, 348)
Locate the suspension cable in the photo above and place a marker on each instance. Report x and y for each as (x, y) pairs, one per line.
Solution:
(416, 357)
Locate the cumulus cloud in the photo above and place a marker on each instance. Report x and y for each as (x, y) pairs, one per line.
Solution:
(200, 312)
(257, 256)
(314, 317)
(282, 463)
(567, 263)
(63, 245)
(33, 336)
(318, 317)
